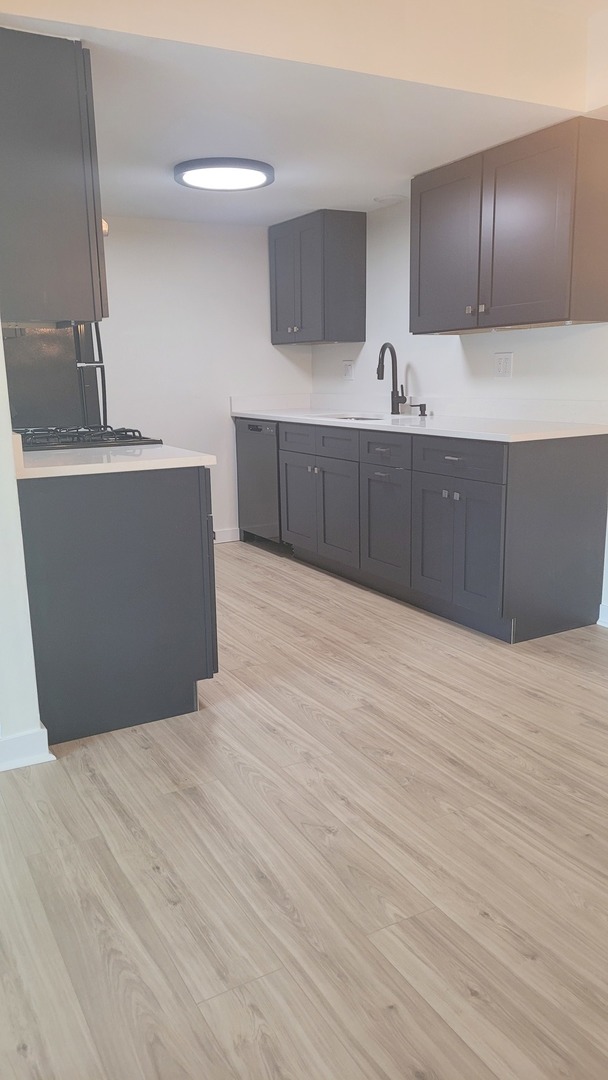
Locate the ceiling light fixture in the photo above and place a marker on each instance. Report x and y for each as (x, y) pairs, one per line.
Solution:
(224, 174)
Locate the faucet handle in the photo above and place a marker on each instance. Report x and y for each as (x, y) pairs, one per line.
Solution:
(403, 394)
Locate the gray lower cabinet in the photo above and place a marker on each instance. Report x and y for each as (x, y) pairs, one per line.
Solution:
(298, 487)
(121, 588)
(320, 505)
(51, 247)
(386, 497)
(458, 541)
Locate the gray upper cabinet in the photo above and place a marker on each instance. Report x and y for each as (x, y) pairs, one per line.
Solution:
(317, 278)
(514, 236)
(51, 250)
(445, 230)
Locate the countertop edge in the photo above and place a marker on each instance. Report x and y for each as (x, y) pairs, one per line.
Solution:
(546, 429)
(178, 459)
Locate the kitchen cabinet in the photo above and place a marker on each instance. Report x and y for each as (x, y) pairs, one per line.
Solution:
(120, 575)
(505, 537)
(317, 278)
(51, 248)
(386, 496)
(513, 236)
(458, 541)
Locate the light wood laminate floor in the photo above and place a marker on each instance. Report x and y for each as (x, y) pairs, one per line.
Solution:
(378, 852)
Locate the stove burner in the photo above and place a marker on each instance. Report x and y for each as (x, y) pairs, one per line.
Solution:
(58, 438)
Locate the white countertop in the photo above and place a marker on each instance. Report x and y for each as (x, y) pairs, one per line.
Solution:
(454, 427)
(34, 464)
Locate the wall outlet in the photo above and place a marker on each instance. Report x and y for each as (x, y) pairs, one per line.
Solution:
(348, 370)
(503, 365)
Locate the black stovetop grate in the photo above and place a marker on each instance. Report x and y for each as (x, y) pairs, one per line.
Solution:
(62, 438)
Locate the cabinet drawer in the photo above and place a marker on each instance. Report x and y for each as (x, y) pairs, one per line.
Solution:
(300, 438)
(472, 459)
(386, 448)
(338, 443)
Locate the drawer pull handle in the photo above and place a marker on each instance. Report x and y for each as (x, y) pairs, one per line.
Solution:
(381, 449)
(384, 475)
(449, 457)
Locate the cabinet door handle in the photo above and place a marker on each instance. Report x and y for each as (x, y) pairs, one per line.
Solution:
(456, 496)
(450, 457)
(483, 308)
(295, 329)
(289, 329)
(469, 309)
(445, 494)
(309, 468)
(317, 470)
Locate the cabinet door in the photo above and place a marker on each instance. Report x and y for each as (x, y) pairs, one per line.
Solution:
(386, 498)
(526, 232)
(298, 482)
(50, 264)
(282, 255)
(479, 527)
(338, 510)
(309, 314)
(432, 535)
(445, 223)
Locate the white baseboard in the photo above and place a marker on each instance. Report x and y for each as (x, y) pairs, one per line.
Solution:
(226, 536)
(603, 619)
(26, 748)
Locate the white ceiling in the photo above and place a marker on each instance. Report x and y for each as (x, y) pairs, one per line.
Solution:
(337, 139)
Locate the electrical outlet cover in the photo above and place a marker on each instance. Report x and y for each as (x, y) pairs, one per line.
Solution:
(503, 365)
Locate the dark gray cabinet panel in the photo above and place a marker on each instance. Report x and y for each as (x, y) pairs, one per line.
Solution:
(300, 438)
(121, 591)
(298, 484)
(51, 253)
(532, 252)
(337, 442)
(338, 510)
(317, 278)
(432, 535)
(526, 228)
(479, 530)
(386, 503)
(386, 448)
(472, 459)
(444, 252)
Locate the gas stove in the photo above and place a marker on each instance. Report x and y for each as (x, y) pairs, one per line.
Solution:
(82, 438)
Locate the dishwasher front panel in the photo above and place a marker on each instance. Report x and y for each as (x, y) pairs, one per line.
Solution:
(258, 478)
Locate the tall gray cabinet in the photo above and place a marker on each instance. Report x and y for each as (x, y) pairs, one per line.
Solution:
(51, 248)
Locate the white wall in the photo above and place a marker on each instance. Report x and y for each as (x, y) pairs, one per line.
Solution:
(560, 373)
(189, 326)
(22, 740)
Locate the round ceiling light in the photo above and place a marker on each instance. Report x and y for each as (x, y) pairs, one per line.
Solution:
(224, 174)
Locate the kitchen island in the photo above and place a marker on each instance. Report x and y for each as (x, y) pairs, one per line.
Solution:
(119, 558)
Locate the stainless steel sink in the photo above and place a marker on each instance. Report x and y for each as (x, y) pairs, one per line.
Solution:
(358, 416)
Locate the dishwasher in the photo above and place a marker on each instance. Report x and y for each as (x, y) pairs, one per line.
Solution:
(257, 462)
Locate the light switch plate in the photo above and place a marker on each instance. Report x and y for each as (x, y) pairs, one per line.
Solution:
(503, 365)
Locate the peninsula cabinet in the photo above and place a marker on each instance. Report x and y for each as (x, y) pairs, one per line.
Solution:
(317, 278)
(514, 236)
(51, 247)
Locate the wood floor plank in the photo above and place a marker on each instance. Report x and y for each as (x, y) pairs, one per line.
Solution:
(516, 1032)
(269, 1028)
(43, 1031)
(44, 810)
(143, 1021)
